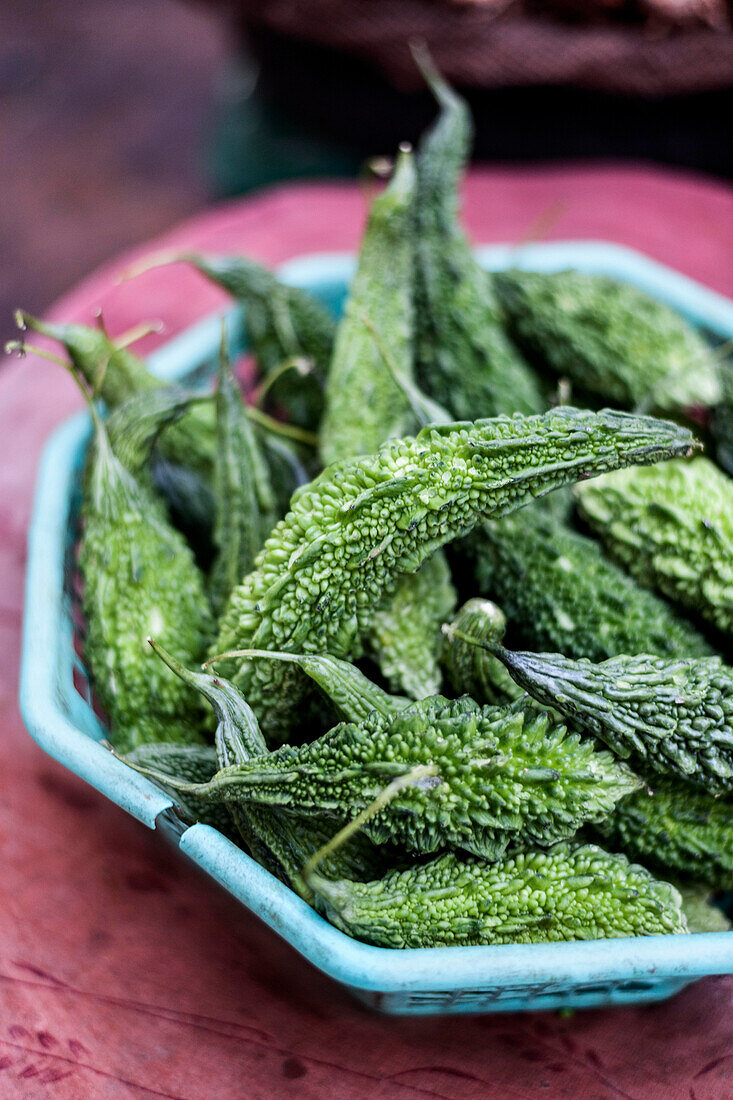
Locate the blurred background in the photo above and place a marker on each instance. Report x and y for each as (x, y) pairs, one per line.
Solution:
(120, 117)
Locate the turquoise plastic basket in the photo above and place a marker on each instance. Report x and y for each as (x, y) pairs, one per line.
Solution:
(55, 701)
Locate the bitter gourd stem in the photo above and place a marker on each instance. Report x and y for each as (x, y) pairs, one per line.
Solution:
(279, 427)
(421, 771)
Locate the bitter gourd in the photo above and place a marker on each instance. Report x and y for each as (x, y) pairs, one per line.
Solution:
(245, 502)
(677, 828)
(280, 841)
(281, 323)
(465, 360)
(675, 716)
(672, 528)
(570, 892)
(115, 374)
(188, 445)
(364, 405)
(491, 777)
(561, 594)
(472, 669)
(361, 523)
(701, 912)
(404, 637)
(609, 338)
(139, 578)
(193, 764)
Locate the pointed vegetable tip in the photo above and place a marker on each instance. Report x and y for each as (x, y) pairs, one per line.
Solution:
(436, 82)
(162, 258)
(173, 664)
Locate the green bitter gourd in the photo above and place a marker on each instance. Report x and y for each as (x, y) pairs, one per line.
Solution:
(188, 446)
(609, 338)
(491, 777)
(364, 405)
(561, 594)
(701, 912)
(472, 669)
(677, 828)
(139, 578)
(570, 892)
(281, 323)
(245, 502)
(465, 359)
(672, 528)
(282, 842)
(352, 531)
(192, 764)
(673, 716)
(404, 635)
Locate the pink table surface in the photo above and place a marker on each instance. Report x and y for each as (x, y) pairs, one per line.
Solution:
(123, 971)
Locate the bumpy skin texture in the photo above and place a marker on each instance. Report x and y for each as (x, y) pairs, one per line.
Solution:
(405, 631)
(465, 360)
(280, 840)
(352, 531)
(364, 403)
(677, 828)
(281, 323)
(140, 579)
(470, 668)
(245, 502)
(566, 893)
(672, 528)
(674, 717)
(609, 338)
(500, 776)
(561, 594)
(701, 913)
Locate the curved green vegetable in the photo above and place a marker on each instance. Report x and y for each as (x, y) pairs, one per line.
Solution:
(490, 777)
(672, 528)
(280, 841)
(364, 405)
(116, 374)
(567, 893)
(561, 594)
(675, 716)
(245, 503)
(139, 579)
(609, 338)
(352, 531)
(701, 913)
(189, 443)
(676, 828)
(465, 360)
(471, 668)
(281, 323)
(189, 763)
(404, 636)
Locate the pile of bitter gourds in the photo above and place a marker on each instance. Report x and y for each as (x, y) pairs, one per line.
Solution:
(553, 760)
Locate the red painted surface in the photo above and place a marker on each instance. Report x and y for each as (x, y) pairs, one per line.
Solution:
(124, 972)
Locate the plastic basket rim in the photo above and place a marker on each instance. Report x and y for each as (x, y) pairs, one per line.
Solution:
(349, 961)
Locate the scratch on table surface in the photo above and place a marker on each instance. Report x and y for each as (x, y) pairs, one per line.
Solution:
(190, 1019)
